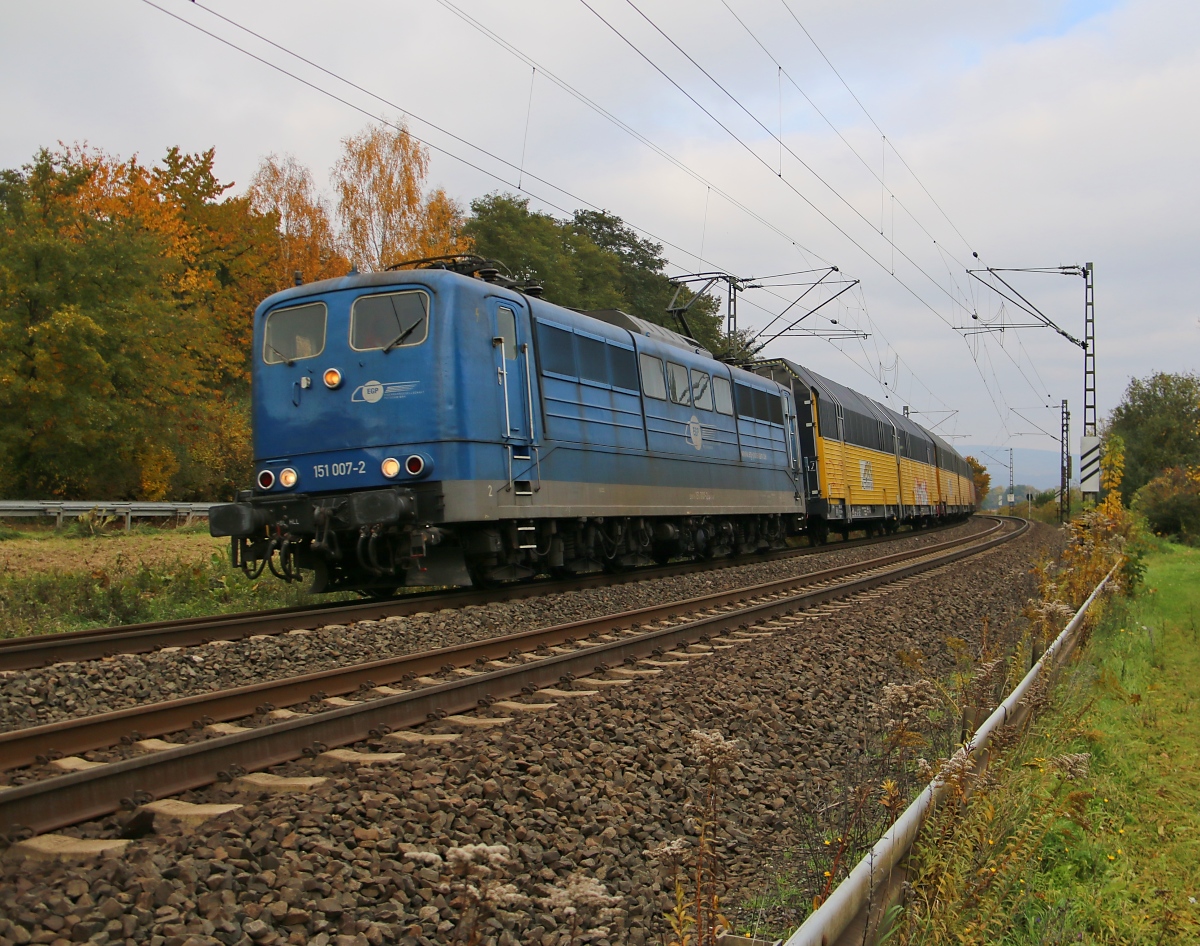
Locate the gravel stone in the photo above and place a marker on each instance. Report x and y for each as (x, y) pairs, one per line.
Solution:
(587, 786)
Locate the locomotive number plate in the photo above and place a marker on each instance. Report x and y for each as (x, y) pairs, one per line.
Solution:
(321, 470)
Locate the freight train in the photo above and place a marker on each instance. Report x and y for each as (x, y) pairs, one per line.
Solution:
(443, 425)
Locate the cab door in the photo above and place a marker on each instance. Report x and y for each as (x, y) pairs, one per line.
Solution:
(793, 444)
(513, 364)
(806, 428)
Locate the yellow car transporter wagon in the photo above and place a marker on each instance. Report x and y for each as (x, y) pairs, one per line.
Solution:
(865, 466)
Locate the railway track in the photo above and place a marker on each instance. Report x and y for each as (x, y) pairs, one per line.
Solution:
(474, 675)
(26, 653)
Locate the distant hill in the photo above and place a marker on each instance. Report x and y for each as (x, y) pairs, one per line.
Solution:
(996, 498)
(1038, 468)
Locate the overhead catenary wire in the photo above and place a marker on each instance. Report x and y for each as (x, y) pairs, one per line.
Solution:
(881, 178)
(439, 149)
(392, 104)
(625, 127)
(916, 295)
(746, 147)
(858, 101)
(391, 124)
(808, 167)
(535, 67)
(386, 121)
(528, 117)
(886, 143)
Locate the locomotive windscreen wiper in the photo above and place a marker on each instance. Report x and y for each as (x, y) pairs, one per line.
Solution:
(282, 357)
(408, 331)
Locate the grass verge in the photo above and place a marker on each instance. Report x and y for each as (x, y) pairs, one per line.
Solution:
(129, 591)
(1087, 828)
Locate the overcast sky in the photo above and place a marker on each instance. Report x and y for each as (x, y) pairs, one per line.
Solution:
(1031, 132)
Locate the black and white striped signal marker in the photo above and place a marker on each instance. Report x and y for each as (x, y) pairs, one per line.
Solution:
(1089, 464)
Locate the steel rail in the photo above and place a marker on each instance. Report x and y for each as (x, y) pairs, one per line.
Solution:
(56, 802)
(26, 653)
(22, 747)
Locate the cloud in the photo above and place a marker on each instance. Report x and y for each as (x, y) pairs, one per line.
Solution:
(1048, 132)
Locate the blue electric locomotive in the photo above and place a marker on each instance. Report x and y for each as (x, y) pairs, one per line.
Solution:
(442, 425)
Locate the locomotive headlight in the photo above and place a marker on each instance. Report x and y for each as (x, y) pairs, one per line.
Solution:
(333, 378)
(288, 477)
(415, 465)
(266, 479)
(390, 468)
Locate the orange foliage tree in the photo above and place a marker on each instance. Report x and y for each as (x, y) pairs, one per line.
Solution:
(126, 294)
(124, 327)
(284, 188)
(982, 479)
(385, 214)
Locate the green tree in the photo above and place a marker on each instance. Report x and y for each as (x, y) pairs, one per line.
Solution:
(125, 301)
(1171, 504)
(537, 247)
(78, 378)
(593, 261)
(1159, 420)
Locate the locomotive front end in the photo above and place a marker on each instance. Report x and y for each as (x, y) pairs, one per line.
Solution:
(349, 407)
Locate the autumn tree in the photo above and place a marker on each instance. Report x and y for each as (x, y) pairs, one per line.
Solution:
(982, 478)
(283, 188)
(385, 214)
(125, 294)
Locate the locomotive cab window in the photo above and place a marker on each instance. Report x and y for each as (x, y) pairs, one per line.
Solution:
(722, 396)
(294, 334)
(652, 377)
(389, 321)
(506, 329)
(677, 383)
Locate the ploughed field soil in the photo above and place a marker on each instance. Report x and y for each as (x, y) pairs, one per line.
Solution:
(587, 786)
(31, 697)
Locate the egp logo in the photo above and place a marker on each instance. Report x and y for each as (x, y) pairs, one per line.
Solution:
(370, 392)
(866, 474)
(374, 391)
(695, 432)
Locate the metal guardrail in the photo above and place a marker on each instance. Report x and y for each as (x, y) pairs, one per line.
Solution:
(870, 879)
(20, 508)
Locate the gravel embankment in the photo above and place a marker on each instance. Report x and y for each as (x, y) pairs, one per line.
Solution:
(587, 786)
(31, 697)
